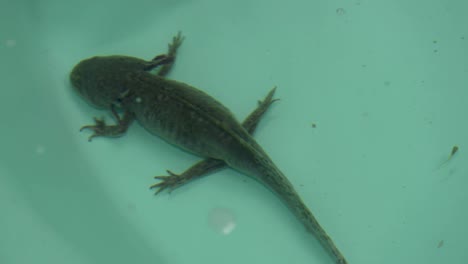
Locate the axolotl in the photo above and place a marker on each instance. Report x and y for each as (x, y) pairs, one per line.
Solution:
(186, 117)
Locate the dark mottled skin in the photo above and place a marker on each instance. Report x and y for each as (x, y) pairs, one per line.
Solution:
(188, 118)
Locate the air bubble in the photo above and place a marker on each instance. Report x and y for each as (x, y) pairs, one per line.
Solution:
(40, 149)
(222, 220)
(10, 43)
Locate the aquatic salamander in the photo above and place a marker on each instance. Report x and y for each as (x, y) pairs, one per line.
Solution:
(188, 118)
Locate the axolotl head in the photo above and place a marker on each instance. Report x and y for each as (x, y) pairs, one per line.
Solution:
(103, 80)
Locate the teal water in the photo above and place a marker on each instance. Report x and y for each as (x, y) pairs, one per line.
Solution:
(373, 98)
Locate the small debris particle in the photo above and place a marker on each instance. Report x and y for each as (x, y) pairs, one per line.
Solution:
(454, 150)
(441, 244)
(131, 207)
(452, 153)
(314, 125)
(138, 100)
(434, 41)
(340, 11)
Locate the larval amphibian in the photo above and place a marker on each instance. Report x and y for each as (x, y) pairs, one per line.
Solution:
(188, 118)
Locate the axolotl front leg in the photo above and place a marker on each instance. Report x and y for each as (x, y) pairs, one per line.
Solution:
(166, 61)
